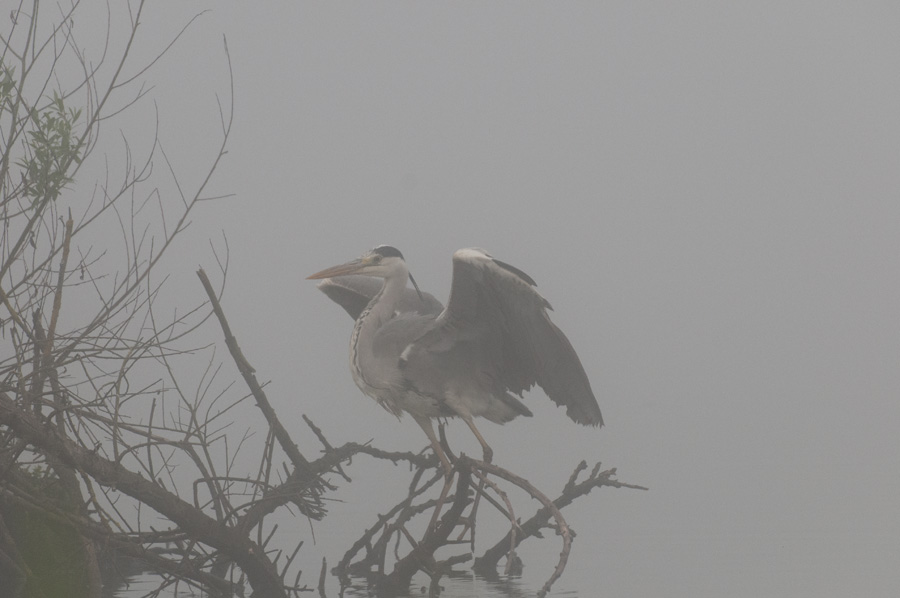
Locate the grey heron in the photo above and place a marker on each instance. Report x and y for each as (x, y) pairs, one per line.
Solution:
(494, 338)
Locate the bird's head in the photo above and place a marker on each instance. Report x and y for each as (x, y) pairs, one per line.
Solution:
(384, 262)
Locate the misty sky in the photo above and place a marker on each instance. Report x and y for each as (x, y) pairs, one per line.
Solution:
(709, 196)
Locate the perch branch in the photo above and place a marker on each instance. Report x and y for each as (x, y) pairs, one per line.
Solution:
(488, 561)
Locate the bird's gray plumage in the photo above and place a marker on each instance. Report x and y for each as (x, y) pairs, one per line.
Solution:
(494, 311)
(353, 292)
(493, 338)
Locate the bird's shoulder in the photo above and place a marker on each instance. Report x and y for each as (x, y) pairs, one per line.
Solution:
(394, 336)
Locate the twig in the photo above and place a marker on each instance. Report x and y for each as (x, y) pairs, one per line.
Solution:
(301, 465)
(514, 525)
(322, 573)
(328, 448)
(435, 536)
(561, 525)
(488, 561)
(344, 565)
(260, 571)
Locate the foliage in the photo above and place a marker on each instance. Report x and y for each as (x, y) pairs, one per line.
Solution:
(50, 149)
(51, 550)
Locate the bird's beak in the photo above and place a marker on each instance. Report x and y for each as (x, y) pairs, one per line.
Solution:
(351, 267)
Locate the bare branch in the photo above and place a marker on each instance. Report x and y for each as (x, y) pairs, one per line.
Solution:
(307, 477)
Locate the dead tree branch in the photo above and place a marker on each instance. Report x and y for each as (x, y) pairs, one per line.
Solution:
(261, 573)
(487, 562)
(307, 482)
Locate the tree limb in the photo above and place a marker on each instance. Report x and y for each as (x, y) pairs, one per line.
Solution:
(308, 480)
(261, 573)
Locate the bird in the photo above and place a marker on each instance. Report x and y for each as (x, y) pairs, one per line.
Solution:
(493, 340)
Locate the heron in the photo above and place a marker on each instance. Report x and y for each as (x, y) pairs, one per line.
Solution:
(493, 340)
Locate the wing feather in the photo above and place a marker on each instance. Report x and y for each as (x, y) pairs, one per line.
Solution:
(495, 304)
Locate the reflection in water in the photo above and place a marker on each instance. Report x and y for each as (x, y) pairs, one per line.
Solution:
(144, 584)
(663, 564)
(459, 585)
(471, 586)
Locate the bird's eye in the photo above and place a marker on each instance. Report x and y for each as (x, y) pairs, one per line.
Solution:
(376, 258)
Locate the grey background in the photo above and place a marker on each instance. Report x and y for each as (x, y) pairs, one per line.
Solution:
(707, 194)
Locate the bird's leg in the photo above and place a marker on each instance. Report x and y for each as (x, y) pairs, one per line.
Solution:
(442, 438)
(425, 424)
(488, 455)
(488, 452)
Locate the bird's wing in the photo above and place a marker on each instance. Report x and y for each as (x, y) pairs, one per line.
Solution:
(354, 292)
(494, 307)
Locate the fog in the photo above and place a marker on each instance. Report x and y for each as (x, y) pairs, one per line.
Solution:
(708, 194)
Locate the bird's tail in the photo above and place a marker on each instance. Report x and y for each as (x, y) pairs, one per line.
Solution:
(505, 407)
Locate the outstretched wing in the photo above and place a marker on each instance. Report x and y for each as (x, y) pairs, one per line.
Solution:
(495, 305)
(354, 292)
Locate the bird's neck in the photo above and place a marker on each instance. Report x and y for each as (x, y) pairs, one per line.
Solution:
(379, 311)
(382, 306)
